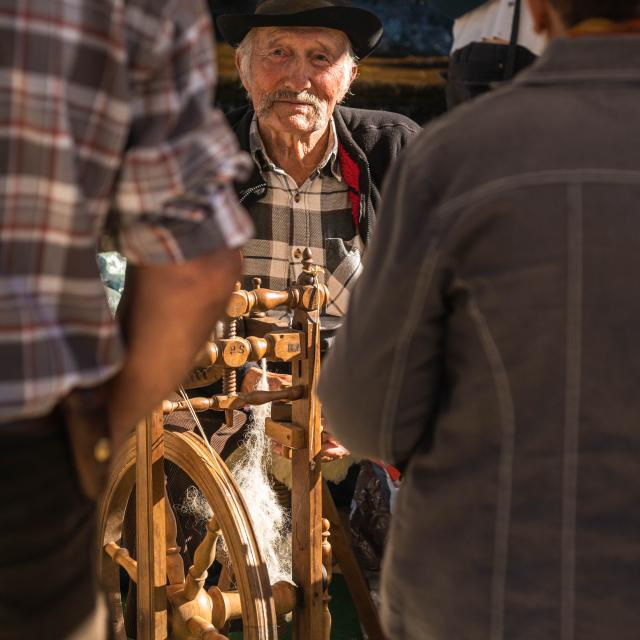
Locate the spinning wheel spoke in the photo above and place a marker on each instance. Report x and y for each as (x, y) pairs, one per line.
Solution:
(175, 565)
(204, 557)
(123, 559)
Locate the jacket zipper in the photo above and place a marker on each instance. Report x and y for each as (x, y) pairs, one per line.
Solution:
(251, 190)
(363, 201)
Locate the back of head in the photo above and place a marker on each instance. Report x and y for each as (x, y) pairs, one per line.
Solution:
(575, 11)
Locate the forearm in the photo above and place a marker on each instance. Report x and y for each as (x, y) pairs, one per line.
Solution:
(169, 313)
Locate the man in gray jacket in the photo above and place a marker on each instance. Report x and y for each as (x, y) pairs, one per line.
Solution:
(508, 248)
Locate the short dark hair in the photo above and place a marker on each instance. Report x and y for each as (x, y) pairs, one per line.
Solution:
(575, 11)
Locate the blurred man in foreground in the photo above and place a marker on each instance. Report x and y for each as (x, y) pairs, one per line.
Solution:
(508, 386)
(110, 112)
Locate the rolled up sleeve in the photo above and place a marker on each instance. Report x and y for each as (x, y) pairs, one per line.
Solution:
(174, 199)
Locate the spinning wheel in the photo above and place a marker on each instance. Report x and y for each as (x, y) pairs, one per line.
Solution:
(190, 607)
(173, 601)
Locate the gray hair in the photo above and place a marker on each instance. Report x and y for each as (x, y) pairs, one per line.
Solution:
(245, 51)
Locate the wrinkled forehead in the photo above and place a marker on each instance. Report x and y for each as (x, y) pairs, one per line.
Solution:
(332, 39)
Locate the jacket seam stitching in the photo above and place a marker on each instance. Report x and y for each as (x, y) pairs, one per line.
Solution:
(505, 469)
(572, 407)
(405, 335)
(538, 178)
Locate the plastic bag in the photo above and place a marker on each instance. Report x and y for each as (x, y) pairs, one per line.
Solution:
(371, 509)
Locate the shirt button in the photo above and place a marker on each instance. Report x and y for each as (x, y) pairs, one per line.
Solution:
(297, 253)
(297, 197)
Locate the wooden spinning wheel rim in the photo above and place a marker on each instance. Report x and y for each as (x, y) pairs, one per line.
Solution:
(214, 480)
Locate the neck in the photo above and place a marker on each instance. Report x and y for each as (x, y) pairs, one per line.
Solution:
(297, 154)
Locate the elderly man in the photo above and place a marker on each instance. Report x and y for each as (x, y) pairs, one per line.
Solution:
(318, 165)
(510, 386)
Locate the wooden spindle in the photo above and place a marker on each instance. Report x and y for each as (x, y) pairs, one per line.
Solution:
(203, 558)
(121, 557)
(175, 565)
(285, 597)
(226, 606)
(236, 401)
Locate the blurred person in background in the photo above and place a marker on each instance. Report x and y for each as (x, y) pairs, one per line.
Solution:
(492, 41)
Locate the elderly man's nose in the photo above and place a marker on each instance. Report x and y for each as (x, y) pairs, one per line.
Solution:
(298, 77)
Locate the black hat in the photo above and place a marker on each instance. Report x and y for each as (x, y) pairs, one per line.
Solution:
(362, 27)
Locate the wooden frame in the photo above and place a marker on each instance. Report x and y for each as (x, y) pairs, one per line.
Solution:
(166, 593)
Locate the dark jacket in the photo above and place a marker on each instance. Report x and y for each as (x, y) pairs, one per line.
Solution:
(511, 379)
(372, 139)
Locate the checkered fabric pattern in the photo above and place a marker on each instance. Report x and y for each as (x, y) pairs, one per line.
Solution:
(105, 108)
(318, 215)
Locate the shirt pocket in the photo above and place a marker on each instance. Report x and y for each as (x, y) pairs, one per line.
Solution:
(343, 264)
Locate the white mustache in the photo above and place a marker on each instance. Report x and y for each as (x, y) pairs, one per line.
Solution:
(303, 97)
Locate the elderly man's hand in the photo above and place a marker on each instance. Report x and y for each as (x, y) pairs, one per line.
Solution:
(331, 448)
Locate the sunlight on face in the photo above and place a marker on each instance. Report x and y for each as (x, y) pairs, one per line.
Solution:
(296, 76)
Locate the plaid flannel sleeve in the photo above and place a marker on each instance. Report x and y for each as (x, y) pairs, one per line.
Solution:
(174, 199)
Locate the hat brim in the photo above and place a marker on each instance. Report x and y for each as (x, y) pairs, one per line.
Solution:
(363, 28)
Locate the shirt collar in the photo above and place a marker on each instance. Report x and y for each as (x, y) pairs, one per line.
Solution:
(603, 59)
(329, 165)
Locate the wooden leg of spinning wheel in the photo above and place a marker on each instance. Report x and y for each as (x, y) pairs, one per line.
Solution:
(306, 495)
(356, 582)
(150, 530)
(327, 561)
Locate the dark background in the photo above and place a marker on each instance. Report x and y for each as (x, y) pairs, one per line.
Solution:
(411, 27)
(416, 37)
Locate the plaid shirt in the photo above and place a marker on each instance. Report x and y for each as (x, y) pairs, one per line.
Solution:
(105, 108)
(318, 215)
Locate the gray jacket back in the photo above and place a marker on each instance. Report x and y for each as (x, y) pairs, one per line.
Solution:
(508, 249)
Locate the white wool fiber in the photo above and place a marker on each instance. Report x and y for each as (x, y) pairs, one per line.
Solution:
(194, 504)
(270, 521)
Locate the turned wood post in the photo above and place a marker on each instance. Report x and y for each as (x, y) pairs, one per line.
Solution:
(306, 497)
(151, 529)
(326, 561)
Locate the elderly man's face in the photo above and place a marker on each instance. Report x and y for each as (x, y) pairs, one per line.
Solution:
(296, 76)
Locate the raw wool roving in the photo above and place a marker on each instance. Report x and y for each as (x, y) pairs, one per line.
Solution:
(250, 466)
(251, 472)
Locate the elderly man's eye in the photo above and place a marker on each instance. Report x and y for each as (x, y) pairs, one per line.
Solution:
(320, 57)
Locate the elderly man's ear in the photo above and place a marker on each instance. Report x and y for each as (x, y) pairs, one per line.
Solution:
(546, 19)
(354, 73)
